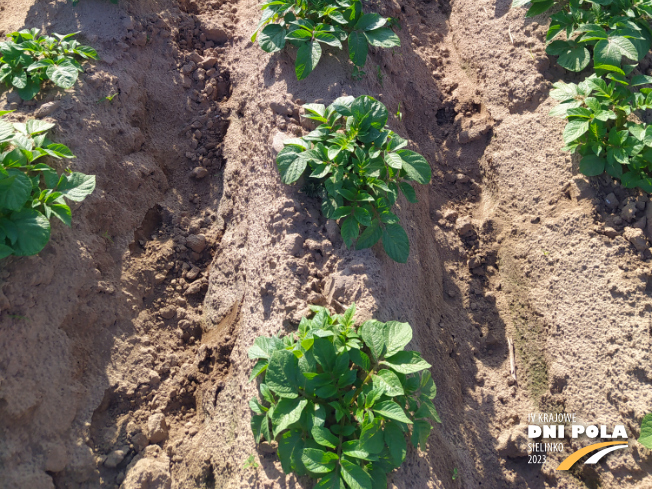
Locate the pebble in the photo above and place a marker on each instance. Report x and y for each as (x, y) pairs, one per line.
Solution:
(451, 215)
(168, 312)
(196, 242)
(157, 428)
(612, 201)
(199, 172)
(629, 212)
(114, 459)
(610, 232)
(193, 273)
(47, 109)
(636, 237)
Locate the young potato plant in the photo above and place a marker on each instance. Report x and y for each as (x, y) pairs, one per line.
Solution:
(32, 192)
(28, 60)
(645, 437)
(309, 24)
(612, 29)
(340, 400)
(602, 129)
(360, 166)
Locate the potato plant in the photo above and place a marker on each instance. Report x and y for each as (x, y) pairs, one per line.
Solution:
(28, 60)
(611, 29)
(31, 192)
(340, 399)
(360, 166)
(604, 111)
(310, 24)
(645, 437)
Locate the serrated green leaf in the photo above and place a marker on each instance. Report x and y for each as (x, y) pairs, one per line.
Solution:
(391, 410)
(406, 362)
(287, 412)
(396, 243)
(397, 336)
(354, 476)
(319, 461)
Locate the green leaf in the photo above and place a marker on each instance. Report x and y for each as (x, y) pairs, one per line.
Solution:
(350, 231)
(290, 449)
(76, 186)
(373, 334)
(406, 362)
(592, 165)
(397, 336)
(331, 480)
(378, 476)
(609, 51)
(383, 38)
(63, 75)
(395, 440)
(520, 3)
(15, 190)
(371, 437)
(575, 58)
(327, 38)
(29, 91)
(319, 461)
(358, 48)
(391, 410)
(389, 382)
(645, 438)
(35, 126)
(264, 347)
(33, 231)
(324, 436)
(354, 476)
(539, 8)
(324, 352)
(409, 192)
(290, 165)
(574, 130)
(272, 38)
(62, 211)
(427, 410)
(259, 368)
(396, 243)
(256, 426)
(369, 22)
(369, 236)
(308, 56)
(281, 374)
(287, 412)
(352, 448)
(420, 432)
(19, 80)
(5, 251)
(362, 215)
(58, 151)
(416, 167)
(394, 160)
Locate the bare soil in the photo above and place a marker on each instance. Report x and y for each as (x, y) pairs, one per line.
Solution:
(123, 344)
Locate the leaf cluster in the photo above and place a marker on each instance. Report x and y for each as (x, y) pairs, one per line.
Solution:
(601, 130)
(340, 400)
(31, 192)
(602, 110)
(361, 166)
(612, 29)
(28, 60)
(645, 437)
(308, 24)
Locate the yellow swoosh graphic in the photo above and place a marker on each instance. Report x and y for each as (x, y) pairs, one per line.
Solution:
(574, 457)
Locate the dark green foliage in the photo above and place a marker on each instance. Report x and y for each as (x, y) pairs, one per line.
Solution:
(340, 400)
(602, 110)
(28, 60)
(32, 192)
(309, 25)
(361, 166)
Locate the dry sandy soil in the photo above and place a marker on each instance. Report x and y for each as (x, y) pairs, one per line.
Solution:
(123, 344)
